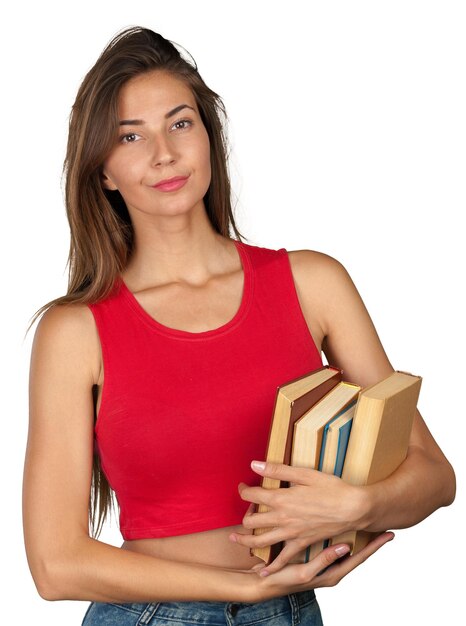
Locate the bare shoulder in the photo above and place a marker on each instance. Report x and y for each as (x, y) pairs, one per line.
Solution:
(330, 298)
(321, 279)
(316, 266)
(69, 330)
(325, 290)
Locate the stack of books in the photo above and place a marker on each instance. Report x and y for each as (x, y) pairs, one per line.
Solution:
(325, 423)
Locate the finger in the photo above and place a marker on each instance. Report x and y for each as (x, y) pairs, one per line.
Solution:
(261, 520)
(257, 567)
(340, 570)
(300, 475)
(327, 557)
(369, 550)
(259, 541)
(257, 495)
(250, 510)
(307, 572)
(290, 550)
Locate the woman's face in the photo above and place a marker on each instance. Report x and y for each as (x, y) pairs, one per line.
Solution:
(156, 143)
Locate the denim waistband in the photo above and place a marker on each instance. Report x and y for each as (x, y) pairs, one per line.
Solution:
(285, 610)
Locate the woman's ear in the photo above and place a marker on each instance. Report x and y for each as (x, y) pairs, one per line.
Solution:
(107, 182)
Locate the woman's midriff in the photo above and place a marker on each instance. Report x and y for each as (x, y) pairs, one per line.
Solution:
(211, 547)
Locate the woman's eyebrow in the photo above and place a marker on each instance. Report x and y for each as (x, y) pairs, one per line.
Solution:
(167, 115)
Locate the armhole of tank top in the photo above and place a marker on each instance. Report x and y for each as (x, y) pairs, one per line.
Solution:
(294, 290)
(105, 360)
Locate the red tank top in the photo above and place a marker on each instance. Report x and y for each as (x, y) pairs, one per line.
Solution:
(183, 414)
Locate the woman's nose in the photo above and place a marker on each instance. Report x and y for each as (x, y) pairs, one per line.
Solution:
(162, 151)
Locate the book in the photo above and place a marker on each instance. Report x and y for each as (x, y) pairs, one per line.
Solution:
(379, 438)
(335, 441)
(309, 429)
(309, 437)
(332, 455)
(293, 399)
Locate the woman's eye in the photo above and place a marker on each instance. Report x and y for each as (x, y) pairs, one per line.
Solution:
(188, 122)
(129, 138)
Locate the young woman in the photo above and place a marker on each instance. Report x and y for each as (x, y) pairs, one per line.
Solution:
(155, 376)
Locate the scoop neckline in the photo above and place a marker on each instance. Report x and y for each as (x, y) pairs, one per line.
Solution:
(213, 332)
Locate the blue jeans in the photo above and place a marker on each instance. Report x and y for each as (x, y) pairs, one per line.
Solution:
(297, 608)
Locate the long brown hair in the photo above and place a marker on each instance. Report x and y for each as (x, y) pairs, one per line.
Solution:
(101, 232)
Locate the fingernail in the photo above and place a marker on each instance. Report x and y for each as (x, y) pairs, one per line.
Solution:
(233, 538)
(263, 572)
(258, 465)
(343, 550)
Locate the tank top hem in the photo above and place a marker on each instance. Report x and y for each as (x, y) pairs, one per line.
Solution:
(173, 530)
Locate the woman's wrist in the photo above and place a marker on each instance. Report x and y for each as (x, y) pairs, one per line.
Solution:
(365, 507)
(242, 586)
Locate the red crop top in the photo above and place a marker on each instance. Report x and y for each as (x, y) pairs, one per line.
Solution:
(183, 414)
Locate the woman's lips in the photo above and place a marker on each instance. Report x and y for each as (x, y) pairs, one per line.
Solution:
(172, 185)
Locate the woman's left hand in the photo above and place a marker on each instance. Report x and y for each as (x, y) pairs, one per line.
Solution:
(316, 507)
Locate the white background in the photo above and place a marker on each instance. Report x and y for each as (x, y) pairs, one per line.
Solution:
(348, 133)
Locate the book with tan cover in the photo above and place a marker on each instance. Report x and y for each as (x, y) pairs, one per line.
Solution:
(309, 429)
(292, 400)
(308, 436)
(379, 438)
(334, 443)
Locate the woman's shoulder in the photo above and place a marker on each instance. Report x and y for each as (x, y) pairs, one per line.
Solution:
(324, 286)
(315, 266)
(70, 329)
(70, 321)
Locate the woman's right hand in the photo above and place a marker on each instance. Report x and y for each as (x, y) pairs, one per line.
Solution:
(300, 577)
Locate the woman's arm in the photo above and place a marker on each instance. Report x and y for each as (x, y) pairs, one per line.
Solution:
(321, 506)
(64, 561)
(67, 564)
(425, 481)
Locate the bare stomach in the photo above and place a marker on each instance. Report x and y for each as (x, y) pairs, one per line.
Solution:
(211, 547)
